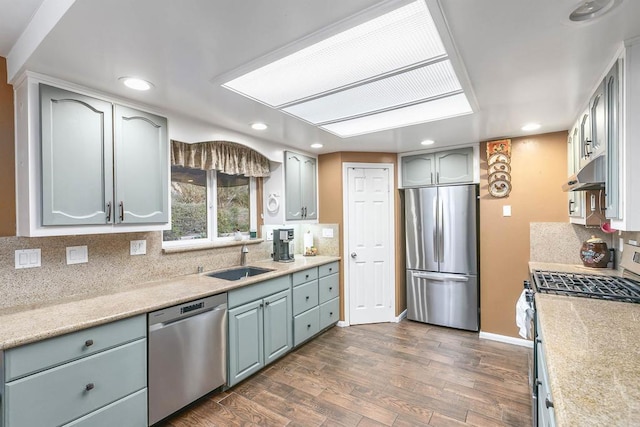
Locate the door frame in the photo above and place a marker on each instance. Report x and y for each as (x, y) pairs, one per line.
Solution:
(392, 236)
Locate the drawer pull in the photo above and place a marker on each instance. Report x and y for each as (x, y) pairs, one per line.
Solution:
(331, 269)
(306, 276)
(330, 288)
(89, 387)
(88, 343)
(307, 298)
(331, 314)
(309, 326)
(548, 403)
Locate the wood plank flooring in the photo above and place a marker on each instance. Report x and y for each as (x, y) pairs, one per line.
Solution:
(389, 374)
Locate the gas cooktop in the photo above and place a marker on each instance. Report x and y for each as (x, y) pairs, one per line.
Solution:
(587, 285)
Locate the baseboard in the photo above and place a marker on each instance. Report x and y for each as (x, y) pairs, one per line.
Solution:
(342, 324)
(506, 339)
(402, 316)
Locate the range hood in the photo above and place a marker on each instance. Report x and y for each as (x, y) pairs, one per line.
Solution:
(591, 177)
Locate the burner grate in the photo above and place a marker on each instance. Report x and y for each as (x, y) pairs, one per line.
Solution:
(587, 285)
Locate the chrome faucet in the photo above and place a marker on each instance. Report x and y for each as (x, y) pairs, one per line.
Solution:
(243, 255)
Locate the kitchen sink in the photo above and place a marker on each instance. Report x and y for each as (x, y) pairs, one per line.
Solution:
(239, 273)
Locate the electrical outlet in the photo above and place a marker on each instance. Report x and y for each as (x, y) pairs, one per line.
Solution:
(327, 233)
(77, 255)
(269, 235)
(138, 247)
(28, 258)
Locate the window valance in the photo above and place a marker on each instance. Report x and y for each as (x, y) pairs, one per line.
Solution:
(227, 157)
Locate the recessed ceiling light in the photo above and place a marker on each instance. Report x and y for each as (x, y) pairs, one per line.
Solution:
(258, 126)
(136, 83)
(316, 145)
(428, 142)
(592, 9)
(531, 126)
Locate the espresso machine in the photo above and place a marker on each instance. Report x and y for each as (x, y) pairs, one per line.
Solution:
(283, 245)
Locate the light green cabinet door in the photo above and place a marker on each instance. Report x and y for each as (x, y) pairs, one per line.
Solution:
(77, 146)
(300, 187)
(278, 330)
(141, 167)
(418, 170)
(454, 166)
(597, 109)
(246, 345)
(612, 91)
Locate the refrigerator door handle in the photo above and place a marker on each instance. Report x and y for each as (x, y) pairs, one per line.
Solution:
(441, 227)
(435, 229)
(440, 276)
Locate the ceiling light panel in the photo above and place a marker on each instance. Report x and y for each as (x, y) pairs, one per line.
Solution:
(400, 89)
(393, 41)
(451, 106)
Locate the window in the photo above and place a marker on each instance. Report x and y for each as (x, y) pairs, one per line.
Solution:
(209, 205)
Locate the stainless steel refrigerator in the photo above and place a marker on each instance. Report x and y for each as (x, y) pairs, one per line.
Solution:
(442, 260)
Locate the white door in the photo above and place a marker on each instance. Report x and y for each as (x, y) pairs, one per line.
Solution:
(369, 249)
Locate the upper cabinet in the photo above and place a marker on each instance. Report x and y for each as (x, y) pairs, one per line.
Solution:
(576, 198)
(87, 165)
(301, 194)
(439, 168)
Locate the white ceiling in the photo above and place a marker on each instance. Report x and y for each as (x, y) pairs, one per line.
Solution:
(524, 60)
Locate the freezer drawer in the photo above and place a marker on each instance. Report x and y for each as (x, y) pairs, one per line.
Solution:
(443, 299)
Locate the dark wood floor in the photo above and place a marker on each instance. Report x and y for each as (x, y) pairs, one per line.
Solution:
(404, 374)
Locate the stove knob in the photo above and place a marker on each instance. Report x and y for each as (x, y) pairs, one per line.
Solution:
(527, 284)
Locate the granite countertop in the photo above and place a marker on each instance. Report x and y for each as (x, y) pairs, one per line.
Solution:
(592, 349)
(46, 321)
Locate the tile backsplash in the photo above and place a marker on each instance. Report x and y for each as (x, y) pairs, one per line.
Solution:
(111, 268)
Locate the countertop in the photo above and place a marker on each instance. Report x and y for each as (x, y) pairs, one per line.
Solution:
(592, 348)
(46, 321)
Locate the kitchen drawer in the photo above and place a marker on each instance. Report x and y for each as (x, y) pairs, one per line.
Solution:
(327, 269)
(240, 296)
(59, 395)
(329, 313)
(304, 276)
(306, 325)
(130, 411)
(305, 297)
(328, 288)
(41, 355)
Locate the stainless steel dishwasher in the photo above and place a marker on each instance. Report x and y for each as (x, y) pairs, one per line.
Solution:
(187, 354)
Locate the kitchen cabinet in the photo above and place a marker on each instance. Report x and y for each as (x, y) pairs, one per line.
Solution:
(87, 165)
(300, 187)
(545, 409)
(260, 328)
(584, 123)
(597, 112)
(612, 126)
(576, 198)
(316, 301)
(442, 167)
(96, 376)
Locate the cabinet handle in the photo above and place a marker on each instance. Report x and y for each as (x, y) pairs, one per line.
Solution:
(261, 305)
(88, 343)
(266, 303)
(306, 298)
(109, 212)
(571, 202)
(437, 177)
(587, 144)
(89, 387)
(121, 211)
(302, 212)
(305, 211)
(431, 178)
(330, 270)
(538, 340)
(309, 326)
(548, 403)
(306, 276)
(331, 314)
(330, 288)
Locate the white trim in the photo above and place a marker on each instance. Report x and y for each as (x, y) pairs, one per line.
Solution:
(345, 241)
(342, 324)
(402, 315)
(506, 339)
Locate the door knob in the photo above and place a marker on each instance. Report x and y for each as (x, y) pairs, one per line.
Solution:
(353, 254)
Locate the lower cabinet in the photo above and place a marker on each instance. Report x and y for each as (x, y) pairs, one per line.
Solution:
(260, 330)
(94, 377)
(546, 416)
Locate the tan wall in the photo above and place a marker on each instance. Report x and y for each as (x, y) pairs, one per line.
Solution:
(7, 158)
(538, 169)
(331, 207)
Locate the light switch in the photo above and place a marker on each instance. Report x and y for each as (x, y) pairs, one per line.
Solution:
(138, 247)
(327, 233)
(506, 210)
(27, 258)
(77, 255)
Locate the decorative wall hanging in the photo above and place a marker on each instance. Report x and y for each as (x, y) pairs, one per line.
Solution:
(499, 167)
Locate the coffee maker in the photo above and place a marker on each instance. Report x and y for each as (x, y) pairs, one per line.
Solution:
(283, 245)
